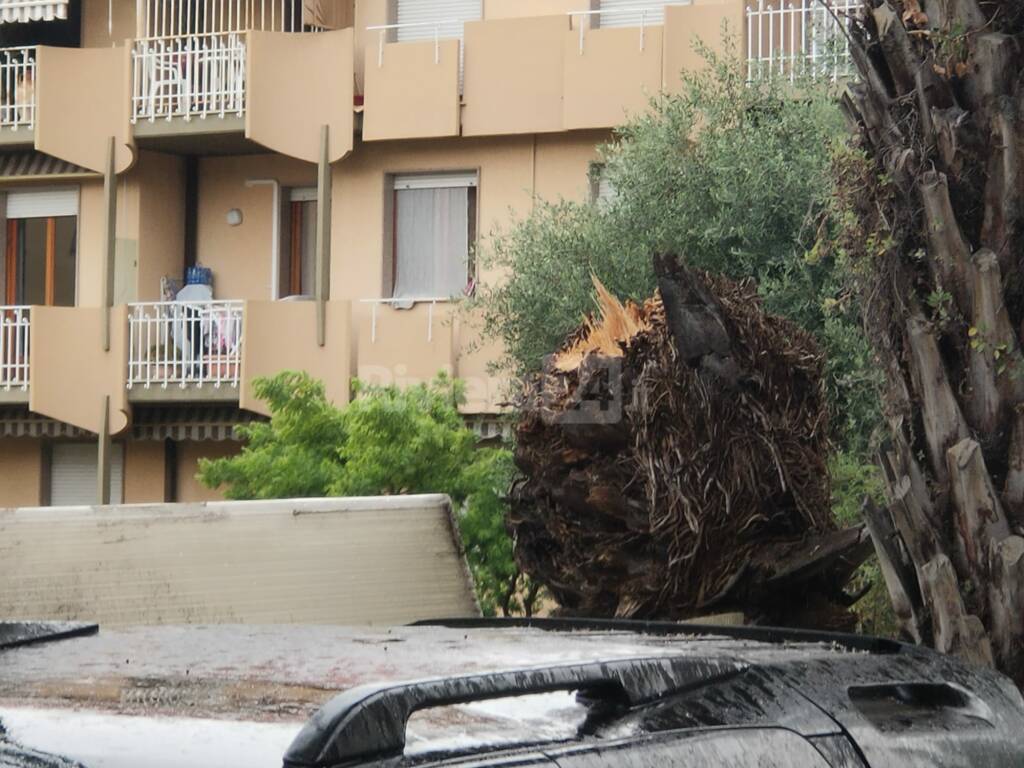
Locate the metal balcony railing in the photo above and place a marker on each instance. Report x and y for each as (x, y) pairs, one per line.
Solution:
(15, 327)
(18, 88)
(801, 39)
(185, 344)
(194, 76)
(191, 63)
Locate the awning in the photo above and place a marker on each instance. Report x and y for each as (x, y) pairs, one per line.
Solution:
(32, 10)
(19, 421)
(18, 166)
(198, 422)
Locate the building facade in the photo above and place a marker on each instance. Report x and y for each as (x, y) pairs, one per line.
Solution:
(195, 193)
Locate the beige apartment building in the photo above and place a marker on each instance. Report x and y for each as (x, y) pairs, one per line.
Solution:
(322, 172)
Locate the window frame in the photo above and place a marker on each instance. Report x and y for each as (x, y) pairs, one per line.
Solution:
(434, 179)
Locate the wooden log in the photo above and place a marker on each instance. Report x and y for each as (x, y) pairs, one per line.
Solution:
(1006, 604)
(980, 521)
(994, 357)
(1013, 487)
(944, 424)
(1002, 191)
(994, 56)
(899, 53)
(953, 629)
(954, 133)
(949, 253)
(897, 571)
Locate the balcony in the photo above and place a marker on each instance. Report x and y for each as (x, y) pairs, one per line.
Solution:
(194, 76)
(799, 40)
(185, 350)
(17, 94)
(14, 348)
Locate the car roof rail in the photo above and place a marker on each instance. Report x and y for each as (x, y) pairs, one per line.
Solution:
(369, 722)
(760, 634)
(14, 634)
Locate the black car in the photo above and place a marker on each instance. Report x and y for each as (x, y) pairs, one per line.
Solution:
(500, 693)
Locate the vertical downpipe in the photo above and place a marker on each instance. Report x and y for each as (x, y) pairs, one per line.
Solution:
(103, 454)
(323, 236)
(109, 240)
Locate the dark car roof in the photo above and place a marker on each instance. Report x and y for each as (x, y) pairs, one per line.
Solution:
(900, 705)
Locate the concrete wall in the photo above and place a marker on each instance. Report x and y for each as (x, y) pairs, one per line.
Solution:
(241, 256)
(161, 183)
(95, 33)
(379, 561)
(20, 472)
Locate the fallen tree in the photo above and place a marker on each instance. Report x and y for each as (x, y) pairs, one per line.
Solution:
(674, 463)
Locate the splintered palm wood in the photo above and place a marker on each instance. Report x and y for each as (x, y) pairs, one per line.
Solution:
(674, 463)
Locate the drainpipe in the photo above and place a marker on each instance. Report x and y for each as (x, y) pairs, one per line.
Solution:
(275, 233)
(323, 236)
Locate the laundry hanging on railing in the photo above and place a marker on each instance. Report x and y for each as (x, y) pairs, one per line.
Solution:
(12, 11)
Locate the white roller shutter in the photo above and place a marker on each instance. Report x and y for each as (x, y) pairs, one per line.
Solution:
(73, 474)
(449, 15)
(435, 180)
(42, 203)
(630, 13)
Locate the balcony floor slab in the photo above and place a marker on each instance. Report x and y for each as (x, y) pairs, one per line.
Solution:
(175, 393)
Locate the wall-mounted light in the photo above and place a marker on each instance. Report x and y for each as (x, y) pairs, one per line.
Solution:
(234, 217)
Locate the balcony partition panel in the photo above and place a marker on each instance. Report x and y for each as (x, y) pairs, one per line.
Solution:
(687, 24)
(282, 336)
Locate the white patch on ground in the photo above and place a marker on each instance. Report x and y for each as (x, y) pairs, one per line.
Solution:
(119, 741)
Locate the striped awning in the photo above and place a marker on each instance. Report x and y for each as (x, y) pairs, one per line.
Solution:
(32, 165)
(32, 10)
(19, 421)
(200, 422)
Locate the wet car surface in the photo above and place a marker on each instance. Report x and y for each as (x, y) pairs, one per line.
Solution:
(243, 695)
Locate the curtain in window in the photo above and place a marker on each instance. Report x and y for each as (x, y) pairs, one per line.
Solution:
(431, 242)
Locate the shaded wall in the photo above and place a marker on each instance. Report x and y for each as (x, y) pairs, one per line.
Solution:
(20, 472)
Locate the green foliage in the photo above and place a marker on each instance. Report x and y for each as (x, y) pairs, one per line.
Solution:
(388, 441)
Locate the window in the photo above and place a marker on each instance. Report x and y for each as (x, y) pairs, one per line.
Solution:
(73, 471)
(434, 234)
(601, 190)
(631, 13)
(298, 254)
(41, 248)
(418, 17)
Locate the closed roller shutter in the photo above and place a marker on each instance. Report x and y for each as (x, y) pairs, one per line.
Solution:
(629, 13)
(42, 203)
(73, 474)
(450, 15)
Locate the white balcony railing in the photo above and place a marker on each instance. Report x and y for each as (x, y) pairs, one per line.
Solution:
(17, 88)
(194, 76)
(185, 344)
(807, 38)
(14, 346)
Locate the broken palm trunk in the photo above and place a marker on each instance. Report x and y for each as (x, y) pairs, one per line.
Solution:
(935, 235)
(674, 463)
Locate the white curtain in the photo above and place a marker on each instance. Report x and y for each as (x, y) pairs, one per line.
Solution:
(32, 10)
(431, 242)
